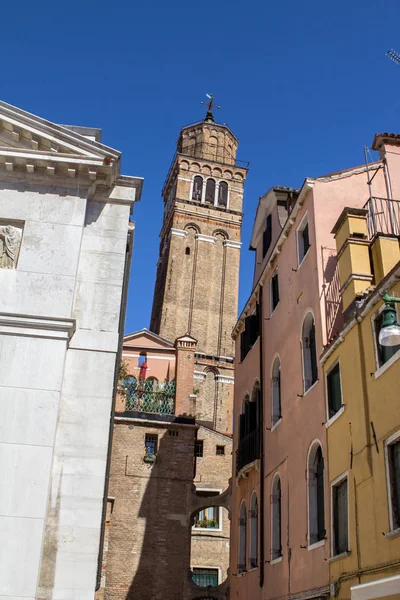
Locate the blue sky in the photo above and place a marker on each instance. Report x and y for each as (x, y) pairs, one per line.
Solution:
(303, 85)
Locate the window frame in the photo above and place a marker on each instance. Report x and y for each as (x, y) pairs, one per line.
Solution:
(154, 440)
(242, 535)
(192, 188)
(302, 225)
(275, 423)
(302, 338)
(206, 202)
(390, 441)
(217, 492)
(275, 277)
(333, 484)
(226, 206)
(268, 228)
(331, 419)
(201, 444)
(257, 536)
(313, 449)
(208, 568)
(275, 558)
(218, 448)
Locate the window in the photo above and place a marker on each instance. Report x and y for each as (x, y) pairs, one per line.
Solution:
(303, 239)
(187, 251)
(150, 443)
(205, 577)
(310, 367)
(208, 518)
(274, 292)
(340, 535)
(276, 392)
(249, 430)
(267, 235)
(223, 194)
(249, 336)
(392, 450)
(253, 532)
(383, 352)
(242, 538)
(197, 188)
(316, 509)
(142, 359)
(173, 433)
(276, 517)
(220, 450)
(334, 391)
(210, 191)
(198, 449)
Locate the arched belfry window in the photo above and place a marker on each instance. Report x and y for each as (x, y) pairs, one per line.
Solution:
(310, 367)
(253, 531)
(276, 518)
(210, 191)
(223, 194)
(242, 538)
(276, 392)
(316, 510)
(197, 188)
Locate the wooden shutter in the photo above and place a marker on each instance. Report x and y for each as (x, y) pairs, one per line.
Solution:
(340, 518)
(334, 390)
(320, 496)
(306, 239)
(275, 290)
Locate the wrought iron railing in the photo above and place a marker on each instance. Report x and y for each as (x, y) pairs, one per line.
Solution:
(150, 396)
(248, 449)
(333, 303)
(205, 577)
(383, 216)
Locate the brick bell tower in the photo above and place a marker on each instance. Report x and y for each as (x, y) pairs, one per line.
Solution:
(196, 290)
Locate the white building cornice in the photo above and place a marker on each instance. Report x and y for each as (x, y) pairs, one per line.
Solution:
(34, 326)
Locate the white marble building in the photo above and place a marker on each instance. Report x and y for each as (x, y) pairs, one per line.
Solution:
(65, 245)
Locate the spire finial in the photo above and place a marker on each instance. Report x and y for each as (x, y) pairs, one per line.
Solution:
(210, 105)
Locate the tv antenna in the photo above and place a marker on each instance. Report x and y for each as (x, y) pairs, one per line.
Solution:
(395, 56)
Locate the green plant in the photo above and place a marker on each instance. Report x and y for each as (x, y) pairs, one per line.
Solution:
(122, 371)
(196, 391)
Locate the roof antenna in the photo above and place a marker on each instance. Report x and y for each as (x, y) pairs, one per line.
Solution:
(210, 105)
(395, 56)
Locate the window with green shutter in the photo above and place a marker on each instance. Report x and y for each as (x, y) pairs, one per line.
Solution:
(340, 518)
(334, 390)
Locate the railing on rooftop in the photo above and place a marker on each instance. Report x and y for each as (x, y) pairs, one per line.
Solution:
(150, 396)
(383, 216)
(248, 449)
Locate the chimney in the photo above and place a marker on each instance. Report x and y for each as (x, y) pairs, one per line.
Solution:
(185, 349)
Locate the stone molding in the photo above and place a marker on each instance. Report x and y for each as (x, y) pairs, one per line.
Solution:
(224, 379)
(232, 244)
(34, 326)
(206, 238)
(178, 232)
(199, 375)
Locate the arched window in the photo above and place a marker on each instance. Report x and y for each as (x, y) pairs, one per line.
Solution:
(254, 531)
(276, 392)
(197, 188)
(310, 368)
(316, 512)
(210, 191)
(249, 430)
(276, 519)
(187, 251)
(223, 194)
(242, 538)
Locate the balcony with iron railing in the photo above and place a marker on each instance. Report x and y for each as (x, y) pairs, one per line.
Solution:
(248, 449)
(150, 396)
(383, 216)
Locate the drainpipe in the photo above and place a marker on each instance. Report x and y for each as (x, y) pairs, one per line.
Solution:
(262, 503)
(124, 299)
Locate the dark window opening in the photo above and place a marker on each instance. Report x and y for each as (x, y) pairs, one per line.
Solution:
(394, 472)
(274, 292)
(276, 392)
(198, 450)
(187, 251)
(151, 443)
(276, 550)
(210, 191)
(267, 235)
(197, 188)
(340, 518)
(303, 240)
(334, 391)
(310, 365)
(223, 194)
(173, 433)
(319, 476)
(249, 336)
(205, 577)
(220, 450)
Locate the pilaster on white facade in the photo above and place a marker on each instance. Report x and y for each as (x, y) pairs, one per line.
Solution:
(64, 230)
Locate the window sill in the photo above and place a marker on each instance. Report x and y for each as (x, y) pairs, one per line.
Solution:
(310, 388)
(393, 533)
(252, 569)
(339, 556)
(316, 545)
(335, 416)
(387, 364)
(274, 561)
(207, 529)
(275, 425)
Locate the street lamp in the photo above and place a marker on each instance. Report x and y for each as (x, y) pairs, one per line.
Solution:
(389, 334)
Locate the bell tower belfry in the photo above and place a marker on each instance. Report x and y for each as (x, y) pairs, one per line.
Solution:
(196, 288)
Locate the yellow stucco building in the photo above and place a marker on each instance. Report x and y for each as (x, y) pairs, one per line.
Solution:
(362, 383)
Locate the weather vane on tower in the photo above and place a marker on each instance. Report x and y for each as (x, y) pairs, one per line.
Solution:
(210, 105)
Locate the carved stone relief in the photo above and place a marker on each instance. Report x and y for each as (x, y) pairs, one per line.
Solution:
(10, 242)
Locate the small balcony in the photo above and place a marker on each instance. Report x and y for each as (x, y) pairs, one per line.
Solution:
(150, 396)
(383, 216)
(248, 449)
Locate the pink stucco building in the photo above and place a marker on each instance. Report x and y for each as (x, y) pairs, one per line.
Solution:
(280, 525)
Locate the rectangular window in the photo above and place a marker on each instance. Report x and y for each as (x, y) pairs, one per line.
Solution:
(249, 336)
(205, 577)
(151, 443)
(393, 465)
(267, 235)
(220, 450)
(198, 449)
(274, 292)
(340, 533)
(383, 353)
(334, 390)
(208, 518)
(303, 239)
